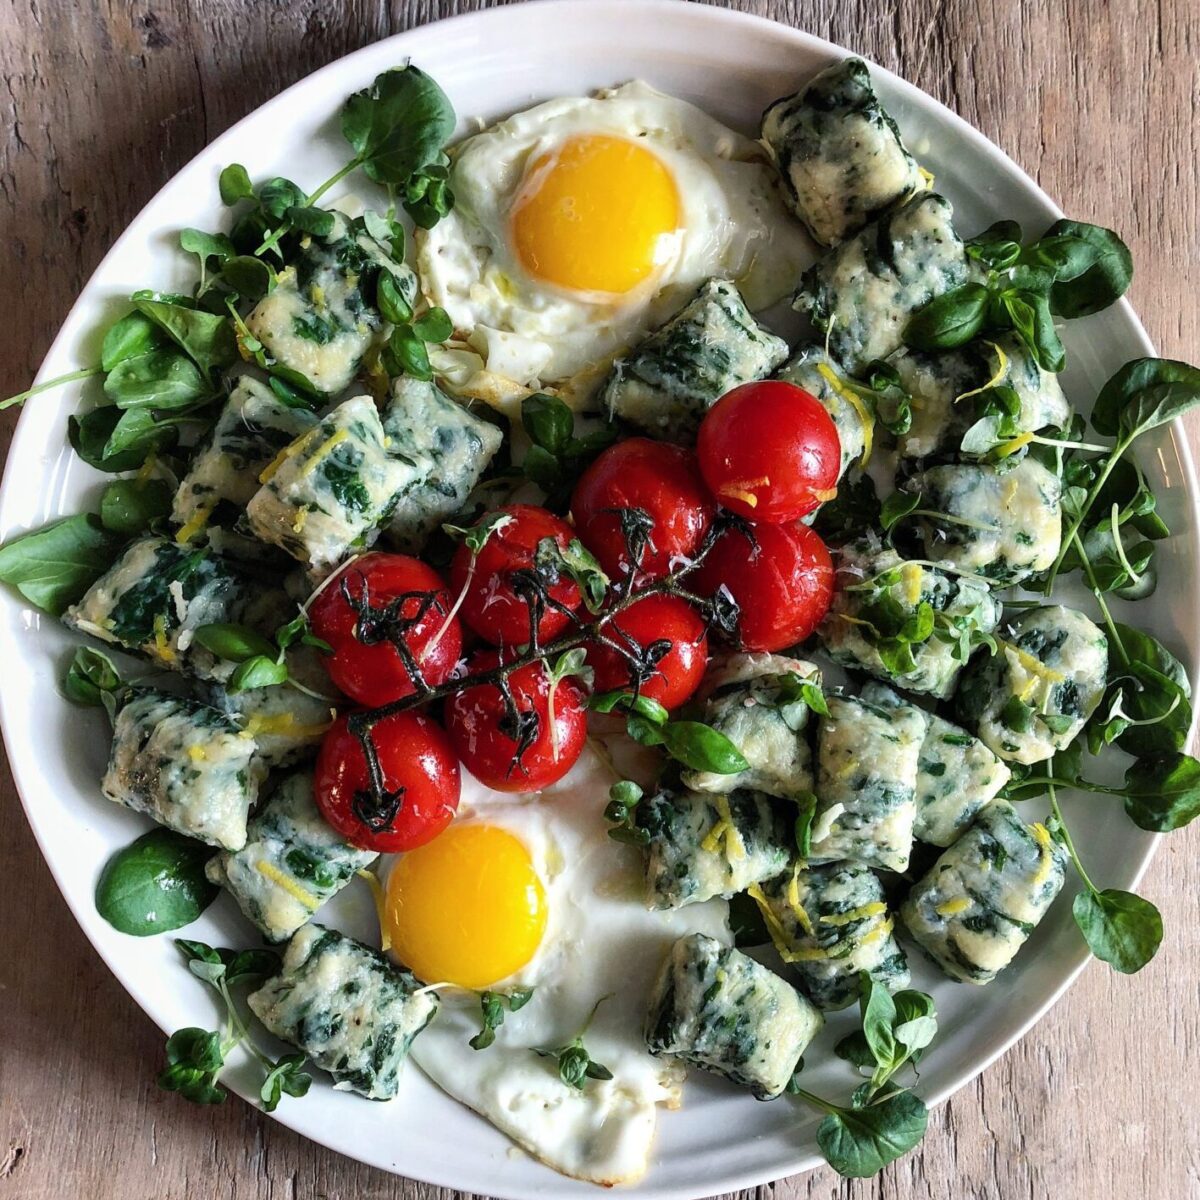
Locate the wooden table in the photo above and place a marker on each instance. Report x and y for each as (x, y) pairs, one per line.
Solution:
(103, 100)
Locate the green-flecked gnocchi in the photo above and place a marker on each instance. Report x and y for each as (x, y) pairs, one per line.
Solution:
(958, 775)
(287, 725)
(454, 447)
(153, 599)
(704, 845)
(944, 389)
(721, 1011)
(1034, 696)
(321, 318)
(1004, 523)
(829, 923)
(186, 765)
(839, 153)
(813, 370)
(984, 896)
(326, 493)
(666, 384)
(904, 621)
(291, 864)
(862, 294)
(354, 1013)
(755, 702)
(253, 427)
(867, 757)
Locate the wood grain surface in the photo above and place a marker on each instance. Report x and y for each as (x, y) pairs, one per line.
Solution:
(101, 101)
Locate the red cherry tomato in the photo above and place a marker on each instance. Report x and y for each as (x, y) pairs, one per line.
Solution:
(663, 480)
(769, 451)
(655, 620)
(414, 755)
(491, 607)
(482, 730)
(368, 667)
(782, 582)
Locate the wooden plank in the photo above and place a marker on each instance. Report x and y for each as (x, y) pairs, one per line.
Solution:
(103, 101)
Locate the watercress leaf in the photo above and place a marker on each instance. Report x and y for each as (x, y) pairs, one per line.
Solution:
(408, 355)
(206, 246)
(130, 337)
(1151, 696)
(519, 997)
(1033, 323)
(583, 567)
(393, 305)
(998, 246)
(950, 320)
(878, 1016)
(128, 506)
(90, 675)
(626, 793)
(398, 125)
(308, 219)
(853, 510)
(433, 326)
(277, 195)
(53, 566)
(859, 1143)
(194, 1047)
(1107, 269)
(260, 671)
(807, 805)
(1163, 794)
(596, 1071)
(248, 277)
(206, 337)
(1147, 384)
(855, 1049)
(1121, 929)
(896, 507)
(136, 434)
(644, 706)
(155, 883)
(542, 468)
(193, 950)
(702, 748)
(644, 732)
(548, 421)
(159, 379)
(234, 643)
(251, 964)
(234, 185)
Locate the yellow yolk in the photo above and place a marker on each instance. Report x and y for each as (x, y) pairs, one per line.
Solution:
(467, 908)
(596, 215)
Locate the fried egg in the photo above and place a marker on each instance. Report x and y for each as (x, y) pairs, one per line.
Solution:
(531, 892)
(583, 223)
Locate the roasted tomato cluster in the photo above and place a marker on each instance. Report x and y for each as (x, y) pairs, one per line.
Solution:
(724, 521)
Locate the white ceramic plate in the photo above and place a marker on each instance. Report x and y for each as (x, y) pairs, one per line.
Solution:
(493, 63)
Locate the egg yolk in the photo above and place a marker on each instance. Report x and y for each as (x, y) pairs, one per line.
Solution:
(596, 215)
(467, 908)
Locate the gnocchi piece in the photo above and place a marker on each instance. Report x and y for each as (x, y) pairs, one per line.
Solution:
(958, 775)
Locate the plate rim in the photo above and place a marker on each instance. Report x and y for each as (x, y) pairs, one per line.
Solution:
(25, 775)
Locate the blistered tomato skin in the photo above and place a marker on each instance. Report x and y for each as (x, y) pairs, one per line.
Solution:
(492, 606)
(364, 663)
(661, 479)
(647, 625)
(781, 578)
(416, 759)
(769, 451)
(482, 733)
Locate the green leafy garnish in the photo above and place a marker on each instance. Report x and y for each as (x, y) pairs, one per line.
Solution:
(492, 1005)
(53, 566)
(575, 1065)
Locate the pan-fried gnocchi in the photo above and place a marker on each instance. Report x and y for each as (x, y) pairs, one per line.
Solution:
(985, 895)
(813, 370)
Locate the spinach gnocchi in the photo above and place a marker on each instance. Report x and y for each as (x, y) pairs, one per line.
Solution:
(354, 1013)
(985, 895)
(756, 702)
(718, 1009)
(184, 764)
(703, 845)
(668, 382)
(1034, 696)
(906, 622)
(957, 776)
(830, 923)
(813, 370)
(1003, 523)
(839, 153)
(291, 864)
(868, 752)
(862, 294)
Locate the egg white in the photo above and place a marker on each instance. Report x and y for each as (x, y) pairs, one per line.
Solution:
(600, 941)
(734, 225)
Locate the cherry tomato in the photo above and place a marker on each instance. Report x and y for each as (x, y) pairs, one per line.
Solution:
(782, 582)
(416, 759)
(491, 606)
(365, 664)
(656, 623)
(663, 480)
(769, 451)
(482, 730)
